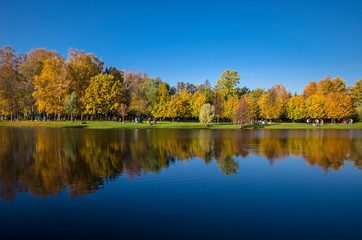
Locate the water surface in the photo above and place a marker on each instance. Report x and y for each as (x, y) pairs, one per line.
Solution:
(180, 184)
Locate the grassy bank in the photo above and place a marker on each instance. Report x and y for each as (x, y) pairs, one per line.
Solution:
(103, 125)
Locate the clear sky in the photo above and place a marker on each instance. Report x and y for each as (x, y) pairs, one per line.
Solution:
(267, 42)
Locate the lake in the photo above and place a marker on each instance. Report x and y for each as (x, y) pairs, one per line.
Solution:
(180, 184)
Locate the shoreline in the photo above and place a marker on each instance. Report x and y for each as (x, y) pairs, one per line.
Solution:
(170, 125)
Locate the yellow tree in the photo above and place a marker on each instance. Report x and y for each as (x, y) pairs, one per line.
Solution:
(338, 105)
(296, 108)
(254, 108)
(51, 86)
(271, 106)
(326, 85)
(160, 107)
(138, 104)
(315, 106)
(30, 67)
(230, 105)
(81, 67)
(104, 95)
(180, 105)
(198, 100)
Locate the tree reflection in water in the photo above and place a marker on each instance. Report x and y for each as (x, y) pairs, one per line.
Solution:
(45, 162)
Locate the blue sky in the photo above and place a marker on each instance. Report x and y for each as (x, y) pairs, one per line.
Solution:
(267, 42)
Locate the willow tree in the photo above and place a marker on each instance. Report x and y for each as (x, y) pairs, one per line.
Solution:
(207, 113)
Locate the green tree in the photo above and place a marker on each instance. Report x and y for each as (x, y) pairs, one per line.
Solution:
(71, 104)
(227, 83)
(149, 89)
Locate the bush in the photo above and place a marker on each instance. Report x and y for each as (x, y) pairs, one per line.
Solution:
(207, 114)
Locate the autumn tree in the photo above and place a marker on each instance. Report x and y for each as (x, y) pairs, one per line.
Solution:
(197, 101)
(315, 106)
(11, 86)
(207, 114)
(271, 105)
(326, 85)
(242, 112)
(296, 108)
(218, 104)
(134, 81)
(338, 105)
(339, 85)
(161, 102)
(227, 83)
(81, 67)
(51, 86)
(180, 105)
(123, 111)
(31, 66)
(230, 105)
(311, 89)
(103, 95)
(253, 104)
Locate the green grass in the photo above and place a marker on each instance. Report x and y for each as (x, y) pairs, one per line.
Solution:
(190, 125)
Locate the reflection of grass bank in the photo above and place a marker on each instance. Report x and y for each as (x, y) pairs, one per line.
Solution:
(191, 125)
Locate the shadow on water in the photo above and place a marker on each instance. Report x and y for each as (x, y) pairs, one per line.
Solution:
(45, 162)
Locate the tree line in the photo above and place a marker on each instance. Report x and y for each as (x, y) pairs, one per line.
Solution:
(43, 84)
